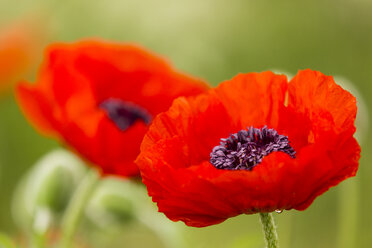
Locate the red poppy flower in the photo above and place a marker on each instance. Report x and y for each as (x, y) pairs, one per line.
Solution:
(254, 144)
(99, 98)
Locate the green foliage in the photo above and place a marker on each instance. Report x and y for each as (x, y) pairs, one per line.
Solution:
(6, 242)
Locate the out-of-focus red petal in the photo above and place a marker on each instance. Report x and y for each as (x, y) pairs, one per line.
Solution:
(37, 109)
(141, 77)
(76, 78)
(20, 43)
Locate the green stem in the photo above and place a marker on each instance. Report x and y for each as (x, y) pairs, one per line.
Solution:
(75, 209)
(269, 228)
(40, 227)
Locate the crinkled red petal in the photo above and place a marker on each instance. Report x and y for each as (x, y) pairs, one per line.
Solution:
(174, 158)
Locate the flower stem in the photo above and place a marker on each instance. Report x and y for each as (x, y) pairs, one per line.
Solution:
(75, 209)
(269, 228)
(40, 228)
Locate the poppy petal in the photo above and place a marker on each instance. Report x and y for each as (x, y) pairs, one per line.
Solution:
(37, 109)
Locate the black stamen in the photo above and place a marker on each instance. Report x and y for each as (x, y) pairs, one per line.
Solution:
(247, 148)
(124, 114)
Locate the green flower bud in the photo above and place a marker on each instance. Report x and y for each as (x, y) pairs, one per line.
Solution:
(46, 189)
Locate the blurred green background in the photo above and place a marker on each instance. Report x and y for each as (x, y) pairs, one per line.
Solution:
(215, 40)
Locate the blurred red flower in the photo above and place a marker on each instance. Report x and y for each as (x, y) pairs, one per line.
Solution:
(20, 42)
(307, 148)
(99, 98)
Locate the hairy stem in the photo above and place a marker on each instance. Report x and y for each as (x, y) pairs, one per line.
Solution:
(269, 228)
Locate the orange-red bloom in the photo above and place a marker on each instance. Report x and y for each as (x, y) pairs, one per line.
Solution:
(99, 98)
(19, 44)
(307, 147)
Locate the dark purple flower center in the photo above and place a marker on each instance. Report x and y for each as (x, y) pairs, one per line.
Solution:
(125, 114)
(245, 149)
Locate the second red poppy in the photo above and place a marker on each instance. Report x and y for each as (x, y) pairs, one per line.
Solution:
(99, 98)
